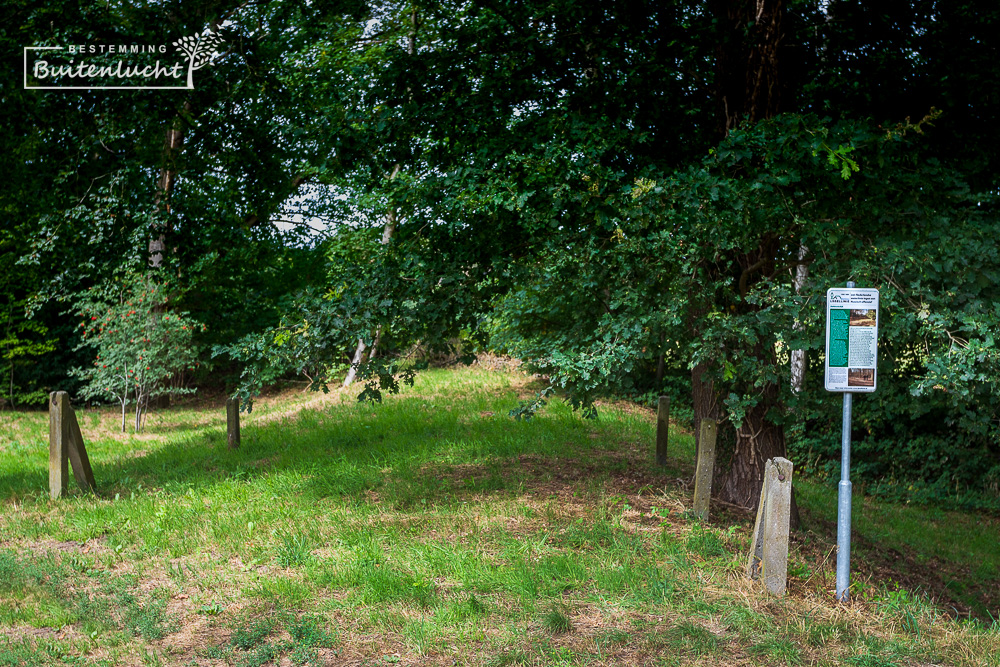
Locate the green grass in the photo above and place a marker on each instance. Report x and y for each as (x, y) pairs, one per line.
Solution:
(556, 621)
(961, 550)
(429, 528)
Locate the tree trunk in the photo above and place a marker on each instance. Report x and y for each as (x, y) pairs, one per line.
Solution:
(390, 218)
(756, 441)
(798, 360)
(704, 400)
(172, 144)
(747, 59)
(387, 231)
(748, 88)
(359, 355)
(138, 411)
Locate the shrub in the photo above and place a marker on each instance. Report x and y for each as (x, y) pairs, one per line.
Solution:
(142, 348)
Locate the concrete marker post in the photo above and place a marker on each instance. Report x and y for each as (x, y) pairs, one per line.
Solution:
(662, 424)
(58, 444)
(233, 423)
(705, 468)
(769, 552)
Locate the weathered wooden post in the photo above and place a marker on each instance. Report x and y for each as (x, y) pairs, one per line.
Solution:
(233, 422)
(66, 447)
(704, 469)
(662, 424)
(769, 549)
(58, 443)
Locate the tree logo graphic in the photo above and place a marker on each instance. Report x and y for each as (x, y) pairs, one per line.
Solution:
(199, 49)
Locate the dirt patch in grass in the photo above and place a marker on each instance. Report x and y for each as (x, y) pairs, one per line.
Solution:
(92, 546)
(196, 633)
(621, 471)
(20, 632)
(492, 362)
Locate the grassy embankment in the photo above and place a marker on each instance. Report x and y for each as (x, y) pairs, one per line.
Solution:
(433, 529)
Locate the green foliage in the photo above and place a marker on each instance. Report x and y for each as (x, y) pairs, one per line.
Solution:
(526, 410)
(543, 200)
(26, 345)
(391, 294)
(22, 342)
(777, 186)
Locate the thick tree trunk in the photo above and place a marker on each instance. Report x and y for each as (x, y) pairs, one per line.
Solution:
(706, 404)
(749, 88)
(756, 441)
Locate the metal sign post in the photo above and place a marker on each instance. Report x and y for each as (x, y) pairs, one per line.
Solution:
(851, 355)
(844, 505)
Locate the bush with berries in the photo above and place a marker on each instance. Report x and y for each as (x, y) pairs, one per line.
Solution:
(142, 348)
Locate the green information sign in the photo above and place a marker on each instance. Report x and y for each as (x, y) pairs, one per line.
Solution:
(840, 320)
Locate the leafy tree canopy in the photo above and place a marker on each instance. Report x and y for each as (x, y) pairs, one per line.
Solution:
(621, 194)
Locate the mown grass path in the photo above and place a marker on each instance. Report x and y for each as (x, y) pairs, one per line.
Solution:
(431, 529)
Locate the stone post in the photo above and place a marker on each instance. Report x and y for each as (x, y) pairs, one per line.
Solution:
(705, 468)
(662, 424)
(769, 550)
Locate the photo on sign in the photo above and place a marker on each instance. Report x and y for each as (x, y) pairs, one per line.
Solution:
(863, 318)
(861, 377)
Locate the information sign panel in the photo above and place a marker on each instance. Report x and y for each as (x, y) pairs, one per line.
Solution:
(851, 339)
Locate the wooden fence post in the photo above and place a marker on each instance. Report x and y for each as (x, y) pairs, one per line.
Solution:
(769, 550)
(58, 443)
(662, 424)
(66, 447)
(233, 422)
(704, 469)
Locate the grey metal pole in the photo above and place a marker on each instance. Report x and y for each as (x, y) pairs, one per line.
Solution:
(844, 502)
